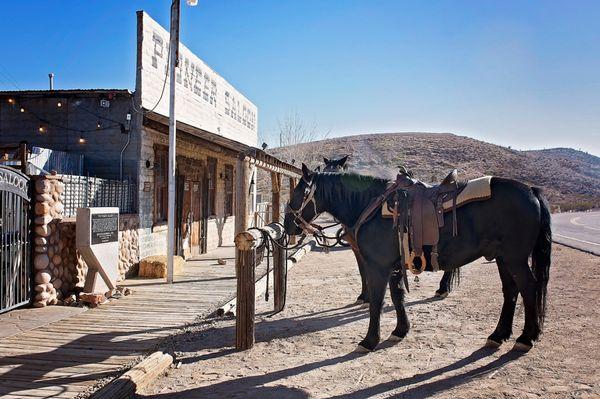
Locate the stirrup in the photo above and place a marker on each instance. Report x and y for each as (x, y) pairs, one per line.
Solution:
(411, 263)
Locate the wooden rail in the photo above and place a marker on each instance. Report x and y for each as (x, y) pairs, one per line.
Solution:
(246, 244)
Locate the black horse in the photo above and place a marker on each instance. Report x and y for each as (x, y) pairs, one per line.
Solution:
(509, 227)
(340, 165)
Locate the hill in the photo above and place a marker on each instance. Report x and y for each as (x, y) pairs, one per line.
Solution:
(570, 178)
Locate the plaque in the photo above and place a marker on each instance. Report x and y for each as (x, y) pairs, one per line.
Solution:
(105, 228)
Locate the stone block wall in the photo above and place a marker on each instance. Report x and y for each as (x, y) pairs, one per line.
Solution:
(49, 270)
(59, 268)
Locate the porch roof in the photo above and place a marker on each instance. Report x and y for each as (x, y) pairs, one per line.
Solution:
(254, 155)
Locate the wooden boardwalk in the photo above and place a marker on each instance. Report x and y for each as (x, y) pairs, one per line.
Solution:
(67, 357)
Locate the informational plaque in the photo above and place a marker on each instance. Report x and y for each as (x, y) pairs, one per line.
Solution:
(105, 228)
(97, 241)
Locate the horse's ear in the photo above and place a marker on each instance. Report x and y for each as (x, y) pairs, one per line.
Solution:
(343, 161)
(325, 160)
(305, 171)
(318, 169)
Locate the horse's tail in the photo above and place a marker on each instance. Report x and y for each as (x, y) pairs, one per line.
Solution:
(541, 255)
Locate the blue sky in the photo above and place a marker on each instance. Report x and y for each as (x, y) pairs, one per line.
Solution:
(522, 73)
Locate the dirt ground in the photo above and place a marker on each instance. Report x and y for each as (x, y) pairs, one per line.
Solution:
(307, 350)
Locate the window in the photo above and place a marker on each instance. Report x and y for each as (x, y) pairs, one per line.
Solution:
(228, 190)
(161, 183)
(212, 186)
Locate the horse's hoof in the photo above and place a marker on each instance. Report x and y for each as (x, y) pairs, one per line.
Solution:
(361, 349)
(521, 347)
(395, 338)
(440, 295)
(490, 343)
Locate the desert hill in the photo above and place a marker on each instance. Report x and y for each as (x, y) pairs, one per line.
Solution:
(570, 178)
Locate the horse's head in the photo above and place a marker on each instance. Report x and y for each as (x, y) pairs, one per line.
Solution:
(302, 208)
(335, 165)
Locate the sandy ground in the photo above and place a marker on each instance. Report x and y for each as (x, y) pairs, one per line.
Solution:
(307, 351)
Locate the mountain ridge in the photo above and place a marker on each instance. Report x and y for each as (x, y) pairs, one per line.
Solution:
(570, 178)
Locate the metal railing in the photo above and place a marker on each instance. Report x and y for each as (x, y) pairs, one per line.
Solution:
(86, 191)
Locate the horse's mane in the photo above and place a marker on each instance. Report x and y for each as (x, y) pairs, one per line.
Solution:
(341, 187)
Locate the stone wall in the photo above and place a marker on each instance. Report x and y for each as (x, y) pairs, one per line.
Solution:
(59, 268)
(49, 271)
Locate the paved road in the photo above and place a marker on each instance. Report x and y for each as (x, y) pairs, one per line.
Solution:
(578, 229)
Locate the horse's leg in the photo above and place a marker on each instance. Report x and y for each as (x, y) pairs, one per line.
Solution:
(364, 293)
(510, 292)
(378, 279)
(397, 294)
(526, 284)
(444, 289)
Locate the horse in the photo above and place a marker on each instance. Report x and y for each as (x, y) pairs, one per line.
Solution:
(340, 165)
(511, 226)
(445, 286)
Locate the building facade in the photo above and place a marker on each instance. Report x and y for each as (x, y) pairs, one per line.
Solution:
(123, 135)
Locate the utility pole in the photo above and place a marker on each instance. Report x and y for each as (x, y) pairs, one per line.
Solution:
(173, 61)
(173, 64)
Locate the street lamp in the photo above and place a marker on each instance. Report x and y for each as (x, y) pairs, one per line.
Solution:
(173, 62)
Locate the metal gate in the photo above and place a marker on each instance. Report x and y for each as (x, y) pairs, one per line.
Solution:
(15, 265)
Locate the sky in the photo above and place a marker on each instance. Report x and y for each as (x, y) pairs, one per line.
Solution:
(524, 74)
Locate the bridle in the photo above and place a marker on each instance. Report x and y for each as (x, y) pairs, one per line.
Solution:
(309, 198)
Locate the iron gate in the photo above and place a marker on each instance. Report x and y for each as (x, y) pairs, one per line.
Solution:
(15, 265)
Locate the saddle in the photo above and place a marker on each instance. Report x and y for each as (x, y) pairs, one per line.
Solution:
(422, 215)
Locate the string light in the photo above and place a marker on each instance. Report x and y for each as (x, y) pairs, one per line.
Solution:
(59, 104)
(41, 129)
(22, 109)
(98, 125)
(81, 139)
(11, 101)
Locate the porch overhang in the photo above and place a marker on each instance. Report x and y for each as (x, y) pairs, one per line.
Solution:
(214, 142)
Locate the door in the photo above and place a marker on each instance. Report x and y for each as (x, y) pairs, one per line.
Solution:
(15, 264)
(196, 218)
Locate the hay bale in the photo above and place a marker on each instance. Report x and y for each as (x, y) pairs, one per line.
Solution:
(156, 266)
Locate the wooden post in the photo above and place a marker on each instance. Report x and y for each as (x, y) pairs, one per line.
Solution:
(242, 187)
(292, 187)
(279, 260)
(23, 156)
(244, 321)
(244, 261)
(246, 243)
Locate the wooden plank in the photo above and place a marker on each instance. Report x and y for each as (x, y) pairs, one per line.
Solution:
(138, 377)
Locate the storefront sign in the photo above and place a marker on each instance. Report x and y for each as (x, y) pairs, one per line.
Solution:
(204, 99)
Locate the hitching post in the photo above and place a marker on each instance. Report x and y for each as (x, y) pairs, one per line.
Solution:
(278, 253)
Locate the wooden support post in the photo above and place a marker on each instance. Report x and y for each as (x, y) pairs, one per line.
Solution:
(242, 187)
(246, 243)
(292, 187)
(23, 156)
(245, 302)
(279, 260)
(244, 261)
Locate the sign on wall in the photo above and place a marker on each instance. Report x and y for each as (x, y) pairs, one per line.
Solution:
(204, 98)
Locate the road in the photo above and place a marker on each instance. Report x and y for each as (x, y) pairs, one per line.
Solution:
(578, 229)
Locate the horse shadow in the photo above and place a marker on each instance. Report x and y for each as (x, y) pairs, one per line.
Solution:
(268, 329)
(254, 386)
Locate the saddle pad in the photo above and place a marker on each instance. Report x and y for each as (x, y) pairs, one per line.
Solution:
(475, 190)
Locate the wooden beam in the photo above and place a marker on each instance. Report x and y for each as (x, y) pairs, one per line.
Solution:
(279, 269)
(138, 377)
(245, 301)
(292, 187)
(242, 186)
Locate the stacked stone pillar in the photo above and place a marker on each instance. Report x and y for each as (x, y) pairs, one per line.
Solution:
(47, 260)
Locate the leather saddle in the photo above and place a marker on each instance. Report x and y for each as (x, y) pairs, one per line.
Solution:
(422, 215)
